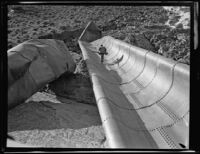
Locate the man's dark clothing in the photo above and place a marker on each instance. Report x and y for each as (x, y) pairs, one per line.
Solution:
(102, 51)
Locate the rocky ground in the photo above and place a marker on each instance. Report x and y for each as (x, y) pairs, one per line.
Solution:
(64, 113)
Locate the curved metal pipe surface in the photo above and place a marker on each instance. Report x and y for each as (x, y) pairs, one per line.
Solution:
(34, 63)
(143, 98)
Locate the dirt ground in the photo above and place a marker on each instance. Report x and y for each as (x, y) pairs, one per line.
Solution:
(64, 113)
(49, 121)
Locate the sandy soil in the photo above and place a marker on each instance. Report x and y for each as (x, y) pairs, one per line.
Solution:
(49, 121)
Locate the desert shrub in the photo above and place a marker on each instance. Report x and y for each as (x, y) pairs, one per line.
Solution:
(163, 19)
(63, 28)
(179, 26)
(45, 23)
(130, 39)
(174, 20)
(18, 9)
(11, 44)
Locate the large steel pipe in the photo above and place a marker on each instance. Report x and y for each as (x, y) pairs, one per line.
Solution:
(143, 98)
(34, 63)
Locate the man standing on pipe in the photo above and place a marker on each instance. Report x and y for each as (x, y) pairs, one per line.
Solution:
(102, 51)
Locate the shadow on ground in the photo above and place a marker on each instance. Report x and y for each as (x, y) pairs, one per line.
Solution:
(47, 115)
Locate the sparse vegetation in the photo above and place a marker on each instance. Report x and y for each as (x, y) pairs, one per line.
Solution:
(132, 24)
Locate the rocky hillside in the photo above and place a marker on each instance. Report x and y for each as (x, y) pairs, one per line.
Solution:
(147, 27)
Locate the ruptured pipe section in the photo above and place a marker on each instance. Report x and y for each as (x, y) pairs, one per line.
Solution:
(142, 97)
(33, 64)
